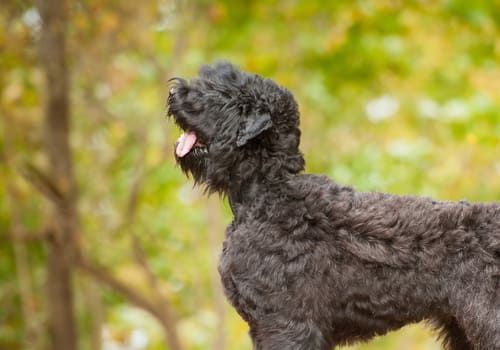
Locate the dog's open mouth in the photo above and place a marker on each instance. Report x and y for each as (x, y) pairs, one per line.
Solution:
(188, 142)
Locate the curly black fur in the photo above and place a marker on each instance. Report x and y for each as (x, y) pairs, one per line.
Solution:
(311, 264)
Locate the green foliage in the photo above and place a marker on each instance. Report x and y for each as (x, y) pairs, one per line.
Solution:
(395, 96)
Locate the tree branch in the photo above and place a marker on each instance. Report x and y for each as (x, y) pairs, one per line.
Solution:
(107, 278)
(42, 183)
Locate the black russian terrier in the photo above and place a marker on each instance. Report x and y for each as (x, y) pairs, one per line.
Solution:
(311, 264)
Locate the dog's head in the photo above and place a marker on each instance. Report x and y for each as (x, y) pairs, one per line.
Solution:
(236, 126)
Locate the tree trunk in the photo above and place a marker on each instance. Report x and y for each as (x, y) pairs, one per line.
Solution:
(60, 245)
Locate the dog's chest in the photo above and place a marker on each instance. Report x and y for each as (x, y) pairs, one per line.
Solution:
(232, 268)
(239, 254)
(252, 276)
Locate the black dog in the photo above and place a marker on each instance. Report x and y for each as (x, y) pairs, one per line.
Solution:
(311, 264)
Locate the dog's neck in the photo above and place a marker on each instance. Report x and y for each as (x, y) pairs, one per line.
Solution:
(266, 177)
(244, 194)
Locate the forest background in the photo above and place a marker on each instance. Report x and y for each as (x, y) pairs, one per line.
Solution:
(104, 244)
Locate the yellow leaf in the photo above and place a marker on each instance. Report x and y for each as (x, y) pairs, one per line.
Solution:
(471, 138)
(12, 92)
(117, 131)
(153, 156)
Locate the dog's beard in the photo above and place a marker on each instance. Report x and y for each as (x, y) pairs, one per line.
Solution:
(193, 163)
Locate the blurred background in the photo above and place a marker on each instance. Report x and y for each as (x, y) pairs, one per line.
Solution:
(104, 244)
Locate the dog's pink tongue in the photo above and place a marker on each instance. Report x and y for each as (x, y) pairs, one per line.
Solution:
(186, 143)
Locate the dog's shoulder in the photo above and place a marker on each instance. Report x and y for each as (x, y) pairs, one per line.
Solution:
(310, 186)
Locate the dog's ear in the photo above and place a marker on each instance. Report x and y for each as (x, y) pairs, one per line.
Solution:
(253, 126)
